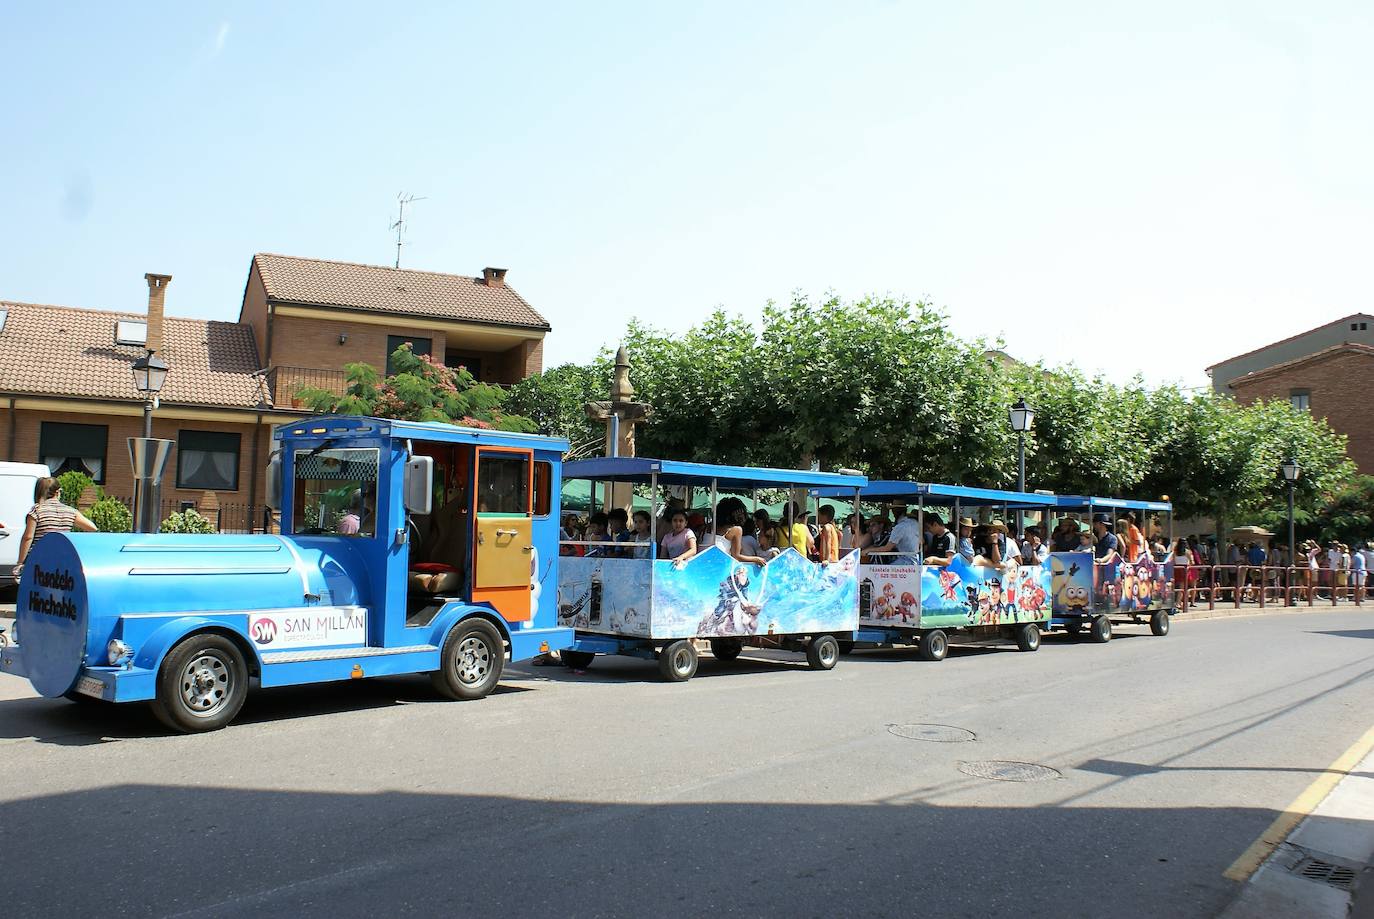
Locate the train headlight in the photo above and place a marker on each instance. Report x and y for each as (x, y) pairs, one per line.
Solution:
(119, 652)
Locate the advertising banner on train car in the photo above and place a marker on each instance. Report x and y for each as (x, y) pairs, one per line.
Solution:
(956, 596)
(609, 595)
(962, 594)
(1117, 586)
(715, 596)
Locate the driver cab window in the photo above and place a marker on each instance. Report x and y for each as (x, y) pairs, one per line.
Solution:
(335, 492)
(503, 484)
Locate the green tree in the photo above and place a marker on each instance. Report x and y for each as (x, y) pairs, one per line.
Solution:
(420, 389)
(554, 400)
(73, 484)
(187, 521)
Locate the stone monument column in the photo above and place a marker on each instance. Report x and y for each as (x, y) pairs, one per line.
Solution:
(620, 415)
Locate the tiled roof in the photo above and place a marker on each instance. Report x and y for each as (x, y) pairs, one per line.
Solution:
(393, 290)
(64, 351)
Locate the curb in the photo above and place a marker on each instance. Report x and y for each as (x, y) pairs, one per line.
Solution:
(1232, 612)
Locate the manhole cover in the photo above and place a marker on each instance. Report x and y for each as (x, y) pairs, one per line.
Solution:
(936, 733)
(1007, 771)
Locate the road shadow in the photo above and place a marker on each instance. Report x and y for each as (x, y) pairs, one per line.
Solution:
(142, 849)
(1346, 633)
(1127, 770)
(88, 722)
(628, 669)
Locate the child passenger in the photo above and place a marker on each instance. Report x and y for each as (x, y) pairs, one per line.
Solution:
(679, 543)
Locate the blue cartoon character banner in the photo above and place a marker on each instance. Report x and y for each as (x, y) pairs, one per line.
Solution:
(712, 595)
(955, 596)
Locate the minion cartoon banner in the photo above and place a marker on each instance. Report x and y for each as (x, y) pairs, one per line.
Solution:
(1115, 587)
(709, 596)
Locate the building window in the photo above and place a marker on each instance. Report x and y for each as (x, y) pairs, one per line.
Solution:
(64, 447)
(1301, 400)
(473, 364)
(208, 460)
(1359, 326)
(417, 345)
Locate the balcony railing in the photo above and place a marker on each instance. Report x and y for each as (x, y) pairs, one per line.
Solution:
(285, 382)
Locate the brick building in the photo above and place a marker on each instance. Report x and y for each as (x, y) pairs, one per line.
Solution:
(67, 396)
(1328, 371)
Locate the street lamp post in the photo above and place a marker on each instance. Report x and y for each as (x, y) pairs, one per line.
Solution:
(1022, 417)
(1290, 475)
(150, 372)
(148, 455)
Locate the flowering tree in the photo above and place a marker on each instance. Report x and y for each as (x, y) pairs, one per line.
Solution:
(420, 389)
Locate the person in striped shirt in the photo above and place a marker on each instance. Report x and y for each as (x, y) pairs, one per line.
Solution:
(49, 515)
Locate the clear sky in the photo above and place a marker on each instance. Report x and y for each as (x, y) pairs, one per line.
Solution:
(1131, 186)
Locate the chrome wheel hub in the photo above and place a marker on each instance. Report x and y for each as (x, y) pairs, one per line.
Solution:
(205, 684)
(474, 660)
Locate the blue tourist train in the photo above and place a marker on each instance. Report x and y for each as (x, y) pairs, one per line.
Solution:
(408, 547)
(404, 548)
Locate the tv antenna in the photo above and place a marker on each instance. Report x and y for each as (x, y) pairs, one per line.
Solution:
(399, 226)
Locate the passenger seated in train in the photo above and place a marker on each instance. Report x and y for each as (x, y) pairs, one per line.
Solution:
(643, 532)
(735, 515)
(679, 543)
(596, 533)
(942, 545)
(965, 543)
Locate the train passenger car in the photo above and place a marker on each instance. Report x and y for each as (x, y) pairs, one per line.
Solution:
(404, 548)
(1094, 588)
(623, 599)
(904, 601)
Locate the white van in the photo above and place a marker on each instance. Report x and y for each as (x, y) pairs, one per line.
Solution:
(17, 481)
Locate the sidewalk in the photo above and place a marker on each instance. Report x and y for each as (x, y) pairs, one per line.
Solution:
(1323, 867)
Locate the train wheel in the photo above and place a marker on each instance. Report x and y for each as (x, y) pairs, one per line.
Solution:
(577, 660)
(934, 646)
(677, 662)
(202, 684)
(1102, 629)
(823, 652)
(1159, 622)
(726, 649)
(1028, 636)
(470, 663)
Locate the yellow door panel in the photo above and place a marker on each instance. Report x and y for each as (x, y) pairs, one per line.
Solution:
(503, 552)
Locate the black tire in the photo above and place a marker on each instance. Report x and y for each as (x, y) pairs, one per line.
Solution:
(577, 660)
(1159, 622)
(201, 685)
(934, 645)
(726, 649)
(1028, 636)
(846, 647)
(823, 652)
(471, 661)
(677, 662)
(1101, 629)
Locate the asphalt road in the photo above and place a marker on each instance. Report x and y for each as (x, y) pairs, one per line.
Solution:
(759, 788)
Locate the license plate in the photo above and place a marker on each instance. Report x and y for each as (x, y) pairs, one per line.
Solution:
(90, 686)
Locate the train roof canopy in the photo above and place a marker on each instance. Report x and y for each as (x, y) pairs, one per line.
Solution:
(935, 493)
(640, 469)
(1081, 501)
(363, 425)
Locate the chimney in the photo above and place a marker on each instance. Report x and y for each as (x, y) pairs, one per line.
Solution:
(494, 277)
(157, 292)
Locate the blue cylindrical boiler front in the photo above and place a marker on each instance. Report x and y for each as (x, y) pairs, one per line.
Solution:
(75, 587)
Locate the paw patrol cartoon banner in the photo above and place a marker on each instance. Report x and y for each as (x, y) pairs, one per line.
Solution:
(961, 594)
(956, 596)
